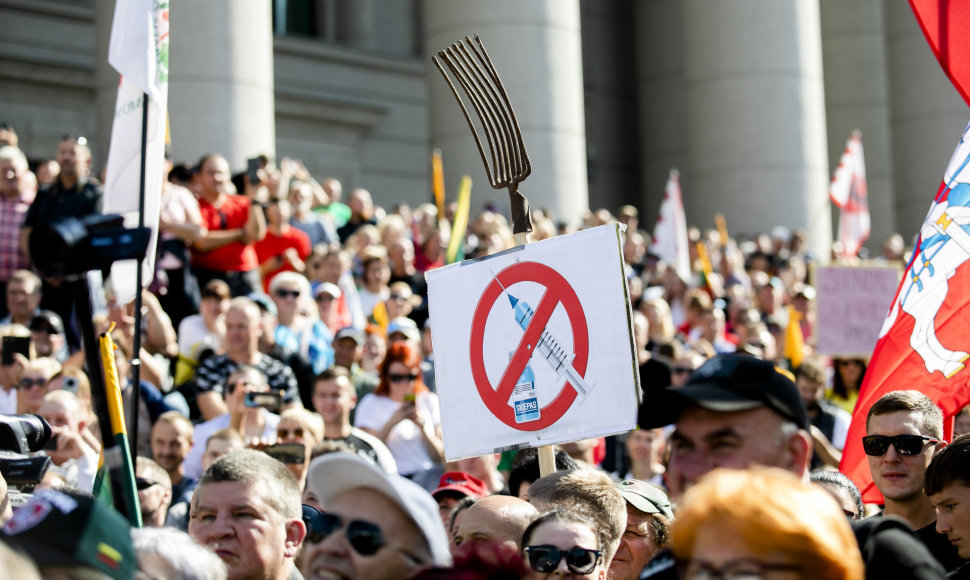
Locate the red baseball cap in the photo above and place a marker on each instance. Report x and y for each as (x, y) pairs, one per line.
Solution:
(462, 483)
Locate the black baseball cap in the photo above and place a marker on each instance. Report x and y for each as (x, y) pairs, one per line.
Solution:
(47, 321)
(728, 383)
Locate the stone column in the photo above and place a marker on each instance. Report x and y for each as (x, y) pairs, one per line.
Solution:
(358, 23)
(857, 97)
(927, 114)
(106, 81)
(756, 117)
(663, 114)
(535, 46)
(220, 94)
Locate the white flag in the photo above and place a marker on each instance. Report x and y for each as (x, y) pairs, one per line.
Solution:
(139, 51)
(670, 242)
(849, 192)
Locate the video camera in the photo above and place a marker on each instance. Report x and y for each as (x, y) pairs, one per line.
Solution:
(21, 435)
(70, 247)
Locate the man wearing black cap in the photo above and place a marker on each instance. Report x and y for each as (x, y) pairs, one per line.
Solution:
(735, 411)
(47, 334)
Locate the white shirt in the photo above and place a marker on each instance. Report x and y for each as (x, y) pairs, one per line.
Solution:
(405, 440)
(195, 337)
(8, 401)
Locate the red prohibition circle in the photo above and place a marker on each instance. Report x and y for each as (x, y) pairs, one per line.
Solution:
(557, 291)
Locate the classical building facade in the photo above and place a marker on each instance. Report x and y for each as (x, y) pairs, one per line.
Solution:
(752, 100)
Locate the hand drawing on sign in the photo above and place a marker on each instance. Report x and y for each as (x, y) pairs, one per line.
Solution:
(559, 360)
(569, 363)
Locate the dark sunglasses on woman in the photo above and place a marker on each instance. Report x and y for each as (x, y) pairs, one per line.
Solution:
(546, 558)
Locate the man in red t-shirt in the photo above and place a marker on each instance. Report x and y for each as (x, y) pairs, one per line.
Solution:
(284, 248)
(233, 224)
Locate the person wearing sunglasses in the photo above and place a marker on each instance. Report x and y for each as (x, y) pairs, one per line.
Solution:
(374, 526)
(34, 382)
(403, 413)
(904, 429)
(564, 543)
(154, 492)
(299, 328)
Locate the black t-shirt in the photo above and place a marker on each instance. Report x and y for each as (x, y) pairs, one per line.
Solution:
(890, 549)
(941, 548)
(55, 202)
(961, 573)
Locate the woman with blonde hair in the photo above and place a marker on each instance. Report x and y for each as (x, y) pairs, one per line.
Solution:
(34, 382)
(763, 522)
(301, 427)
(662, 329)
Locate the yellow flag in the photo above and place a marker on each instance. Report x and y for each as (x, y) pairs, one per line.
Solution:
(438, 182)
(794, 341)
(455, 245)
(380, 315)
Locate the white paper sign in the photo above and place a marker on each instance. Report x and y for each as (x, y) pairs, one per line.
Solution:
(851, 307)
(534, 346)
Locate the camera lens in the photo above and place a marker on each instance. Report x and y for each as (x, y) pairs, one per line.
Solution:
(37, 429)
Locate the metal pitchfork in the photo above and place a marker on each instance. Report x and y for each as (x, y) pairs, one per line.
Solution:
(472, 68)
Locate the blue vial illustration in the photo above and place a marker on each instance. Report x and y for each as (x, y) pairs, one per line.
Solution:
(524, 399)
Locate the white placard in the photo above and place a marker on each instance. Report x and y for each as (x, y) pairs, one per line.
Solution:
(559, 308)
(851, 306)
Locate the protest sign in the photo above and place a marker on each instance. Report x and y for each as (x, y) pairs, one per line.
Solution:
(534, 346)
(850, 306)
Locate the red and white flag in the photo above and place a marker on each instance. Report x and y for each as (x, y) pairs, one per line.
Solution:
(670, 242)
(924, 344)
(139, 51)
(848, 191)
(945, 24)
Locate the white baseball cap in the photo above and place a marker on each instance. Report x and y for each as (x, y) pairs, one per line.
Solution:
(337, 473)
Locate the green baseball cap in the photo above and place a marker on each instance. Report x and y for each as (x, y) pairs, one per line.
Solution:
(645, 497)
(58, 529)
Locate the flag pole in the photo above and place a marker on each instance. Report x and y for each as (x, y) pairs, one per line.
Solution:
(136, 344)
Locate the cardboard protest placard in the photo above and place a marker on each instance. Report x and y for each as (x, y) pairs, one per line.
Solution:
(851, 306)
(534, 346)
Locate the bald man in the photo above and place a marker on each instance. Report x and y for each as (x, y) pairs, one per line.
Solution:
(497, 519)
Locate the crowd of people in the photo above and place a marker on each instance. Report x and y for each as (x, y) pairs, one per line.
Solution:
(289, 426)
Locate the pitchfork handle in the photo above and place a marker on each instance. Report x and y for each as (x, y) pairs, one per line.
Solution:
(521, 216)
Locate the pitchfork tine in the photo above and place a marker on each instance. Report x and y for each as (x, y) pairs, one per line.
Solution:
(468, 119)
(499, 118)
(489, 118)
(480, 82)
(515, 143)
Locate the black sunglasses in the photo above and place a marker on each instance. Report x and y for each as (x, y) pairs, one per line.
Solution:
(142, 484)
(26, 383)
(364, 537)
(284, 293)
(546, 558)
(876, 445)
(396, 378)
